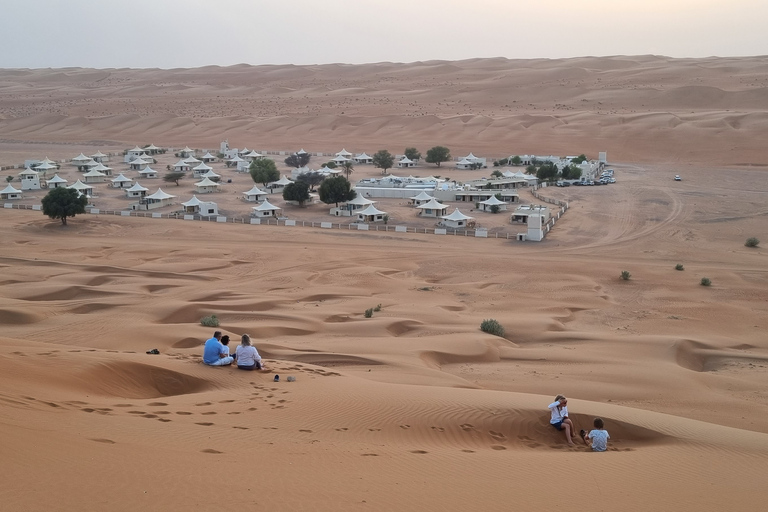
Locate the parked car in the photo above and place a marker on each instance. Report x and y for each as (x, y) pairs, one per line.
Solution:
(678, 178)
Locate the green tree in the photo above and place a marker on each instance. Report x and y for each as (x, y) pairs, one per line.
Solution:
(61, 203)
(9, 179)
(336, 190)
(312, 179)
(547, 172)
(330, 165)
(438, 155)
(348, 168)
(298, 191)
(412, 154)
(297, 160)
(264, 171)
(383, 160)
(531, 169)
(496, 174)
(173, 177)
(516, 160)
(579, 159)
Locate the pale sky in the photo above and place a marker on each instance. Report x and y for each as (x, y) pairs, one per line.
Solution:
(192, 33)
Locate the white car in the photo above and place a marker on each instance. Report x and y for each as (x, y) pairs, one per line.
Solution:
(678, 178)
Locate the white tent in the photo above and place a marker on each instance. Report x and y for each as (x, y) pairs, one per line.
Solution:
(158, 199)
(255, 194)
(10, 192)
(281, 183)
(341, 160)
(362, 158)
(30, 179)
(186, 152)
(201, 169)
(47, 160)
(344, 153)
(433, 208)
(138, 164)
(56, 182)
(208, 157)
(79, 159)
(94, 176)
(99, 156)
(191, 160)
(456, 219)
(358, 203)
(82, 187)
(148, 172)
(102, 168)
(254, 155)
(406, 162)
(44, 167)
(181, 166)
(421, 198)
(210, 174)
(136, 191)
(371, 214)
(265, 209)
(204, 208)
(492, 201)
(206, 186)
(121, 181)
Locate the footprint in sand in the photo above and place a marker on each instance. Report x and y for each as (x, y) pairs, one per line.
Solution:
(234, 412)
(252, 409)
(157, 404)
(374, 430)
(137, 412)
(202, 404)
(405, 426)
(241, 428)
(88, 409)
(208, 413)
(369, 454)
(105, 441)
(498, 447)
(305, 431)
(438, 429)
(164, 420)
(467, 427)
(204, 424)
(150, 416)
(211, 450)
(498, 436)
(123, 405)
(420, 452)
(468, 451)
(183, 413)
(343, 429)
(226, 401)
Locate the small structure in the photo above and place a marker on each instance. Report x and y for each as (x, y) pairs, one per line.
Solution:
(121, 182)
(432, 209)
(456, 220)
(522, 213)
(255, 195)
(56, 182)
(10, 192)
(94, 176)
(211, 175)
(152, 149)
(279, 185)
(488, 204)
(406, 162)
(192, 161)
(138, 164)
(371, 214)
(30, 179)
(102, 168)
(358, 204)
(362, 158)
(204, 208)
(240, 164)
(206, 186)
(100, 157)
(181, 166)
(201, 169)
(265, 209)
(470, 161)
(421, 198)
(82, 188)
(43, 167)
(156, 200)
(208, 158)
(133, 154)
(186, 152)
(80, 159)
(148, 172)
(136, 191)
(340, 160)
(253, 155)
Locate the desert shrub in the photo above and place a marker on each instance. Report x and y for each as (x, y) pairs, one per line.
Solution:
(625, 275)
(752, 242)
(679, 266)
(491, 326)
(377, 308)
(425, 289)
(705, 281)
(368, 313)
(209, 321)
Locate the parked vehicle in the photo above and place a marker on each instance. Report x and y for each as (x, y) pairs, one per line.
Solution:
(678, 178)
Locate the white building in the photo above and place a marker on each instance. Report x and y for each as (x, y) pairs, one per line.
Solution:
(362, 158)
(10, 192)
(100, 157)
(56, 182)
(208, 158)
(133, 154)
(94, 176)
(421, 198)
(432, 208)
(181, 166)
(30, 179)
(456, 220)
(206, 186)
(121, 182)
(204, 208)
(138, 164)
(279, 185)
(136, 191)
(351, 207)
(81, 187)
(80, 159)
(406, 162)
(370, 214)
(148, 172)
(201, 169)
(488, 204)
(265, 209)
(255, 195)
(156, 200)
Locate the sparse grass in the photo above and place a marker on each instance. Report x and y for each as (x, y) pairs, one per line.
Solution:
(679, 266)
(368, 313)
(752, 242)
(625, 275)
(425, 289)
(491, 326)
(377, 308)
(705, 281)
(210, 321)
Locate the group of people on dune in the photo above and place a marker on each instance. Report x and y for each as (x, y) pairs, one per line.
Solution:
(598, 436)
(216, 353)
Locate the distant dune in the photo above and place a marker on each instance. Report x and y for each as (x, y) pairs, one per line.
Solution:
(641, 108)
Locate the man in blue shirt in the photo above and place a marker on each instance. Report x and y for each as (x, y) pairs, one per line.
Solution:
(216, 354)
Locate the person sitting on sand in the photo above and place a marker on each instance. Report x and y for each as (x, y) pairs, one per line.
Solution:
(599, 436)
(560, 419)
(225, 341)
(248, 357)
(216, 354)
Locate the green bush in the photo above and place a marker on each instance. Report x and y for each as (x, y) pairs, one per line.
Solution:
(625, 275)
(705, 281)
(209, 321)
(377, 308)
(491, 326)
(752, 242)
(368, 313)
(679, 266)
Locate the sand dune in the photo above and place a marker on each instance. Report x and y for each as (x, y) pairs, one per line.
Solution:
(415, 407)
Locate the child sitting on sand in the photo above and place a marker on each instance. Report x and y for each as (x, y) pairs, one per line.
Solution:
(599, 436)
(560, 419)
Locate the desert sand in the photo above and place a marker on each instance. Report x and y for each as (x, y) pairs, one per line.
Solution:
(414, 408)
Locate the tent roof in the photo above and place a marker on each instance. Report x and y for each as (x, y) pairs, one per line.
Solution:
(465, 161)
(434, 204)
(236, 159)
(147, 170)
(44, 166)
(254, 154)
(211, 174)
(343, 152)
(138, 161)
(456, 215)
(206, 182)
(137, 188)
(301, 152)
(423, 196)
(151, 147)
(187, 149)
(160, 195)
(79, 185)
(371, 210)
(191, 160)
(81, 158)
(10, 190)
(57, 179)
(98, 154)
(27, 171)
(470, 157)
(266, 206)
(181, 163)
(137, 148)
(208, 155)
(255, 191)
(282, 181)
(341, 159)
(360, 200)
(193, 202)
(202, 167)
(406, 160)
(362, 155)
(47, 160)
(120, 179)
(101, 167)
(93, 173)
(492, 201)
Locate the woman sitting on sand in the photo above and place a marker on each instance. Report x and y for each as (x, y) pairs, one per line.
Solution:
(247, 356)
(560, 419)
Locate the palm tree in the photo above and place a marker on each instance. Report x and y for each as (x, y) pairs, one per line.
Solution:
(348, 168)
